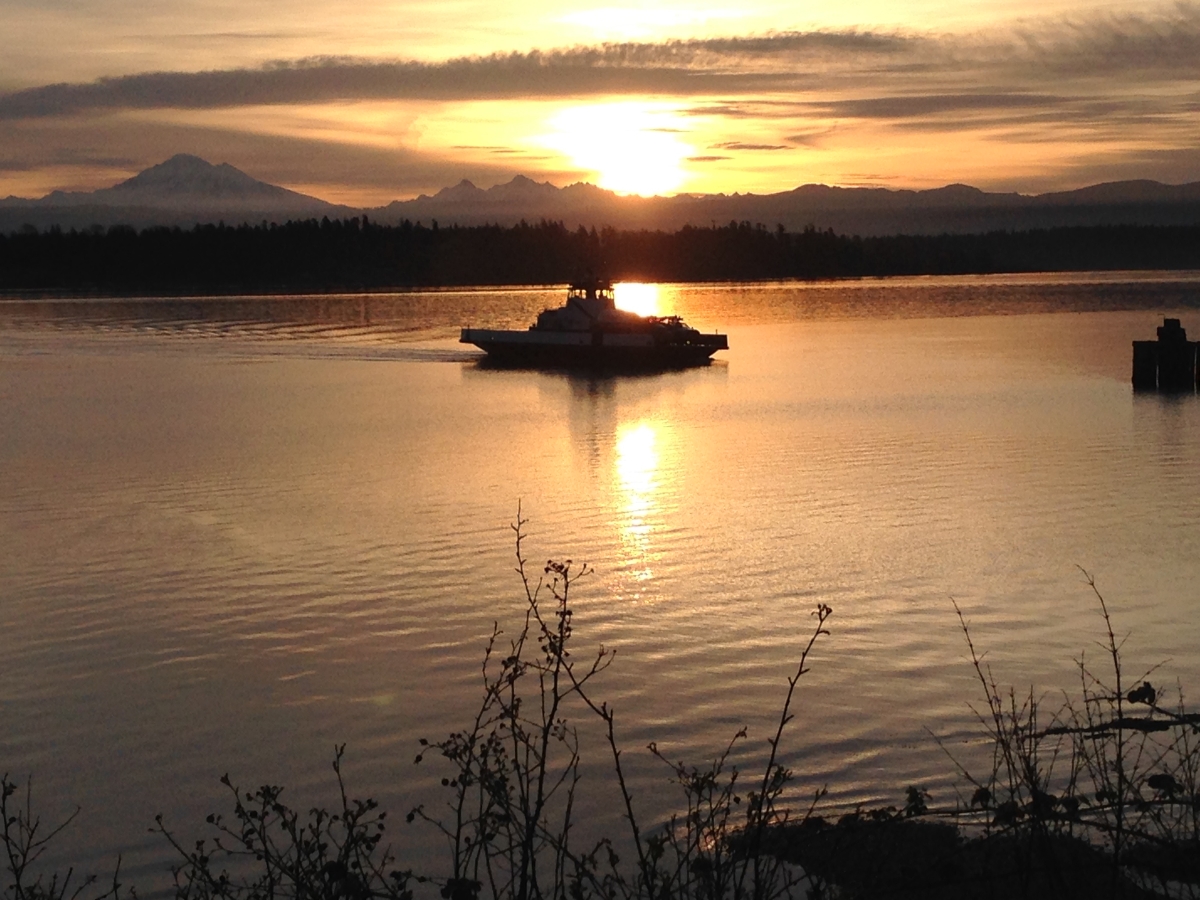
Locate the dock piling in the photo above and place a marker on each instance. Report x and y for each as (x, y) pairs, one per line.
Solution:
(1168, 364)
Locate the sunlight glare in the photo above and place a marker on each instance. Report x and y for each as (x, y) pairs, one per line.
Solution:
(633, 148)
(636, 465)
(634, 297)
(637, 462)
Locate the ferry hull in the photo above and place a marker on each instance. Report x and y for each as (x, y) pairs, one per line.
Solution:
(583, 350)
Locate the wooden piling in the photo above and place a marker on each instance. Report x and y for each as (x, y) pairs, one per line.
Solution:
(1176, 358)
(1168, 364)
(1145, 365)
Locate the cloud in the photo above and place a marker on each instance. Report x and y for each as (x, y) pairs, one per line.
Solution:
(1165, 40)
(679, 67)
(919, 105)
(84, 155)
(810, 139)
(739, 145)
(1002, 69)
(330, 80)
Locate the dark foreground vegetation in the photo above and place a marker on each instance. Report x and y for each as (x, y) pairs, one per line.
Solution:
(1099, 799)
(358, 254)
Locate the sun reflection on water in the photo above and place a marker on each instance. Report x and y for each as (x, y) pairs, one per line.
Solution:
(637, 463)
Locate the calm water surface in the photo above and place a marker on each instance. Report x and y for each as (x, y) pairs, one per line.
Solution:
(238, 531)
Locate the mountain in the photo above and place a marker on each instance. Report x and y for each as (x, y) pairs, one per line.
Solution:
(186, 189)
(180, 191)
(190, 182)
(956, 208)
(1125, 192)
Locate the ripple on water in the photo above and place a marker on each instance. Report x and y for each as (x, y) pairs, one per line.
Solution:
(235, 540)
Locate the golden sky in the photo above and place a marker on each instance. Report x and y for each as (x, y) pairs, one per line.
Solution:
(365, 102)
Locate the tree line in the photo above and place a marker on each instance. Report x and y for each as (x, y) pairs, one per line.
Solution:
(356, 253)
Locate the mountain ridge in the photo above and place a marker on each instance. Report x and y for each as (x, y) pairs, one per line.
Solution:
(186, 189)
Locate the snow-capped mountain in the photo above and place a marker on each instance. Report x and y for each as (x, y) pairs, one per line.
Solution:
(181, 190)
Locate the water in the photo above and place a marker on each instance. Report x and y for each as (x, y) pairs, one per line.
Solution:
(238, 532)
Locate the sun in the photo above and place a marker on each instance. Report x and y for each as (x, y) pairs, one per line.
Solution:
(633, 148)
(635, 297)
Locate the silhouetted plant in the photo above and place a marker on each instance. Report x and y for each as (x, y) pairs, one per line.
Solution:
(516, 770)
(515, 774)
(1101, 800)
(25, 840)
(268, 850)
(713, 852)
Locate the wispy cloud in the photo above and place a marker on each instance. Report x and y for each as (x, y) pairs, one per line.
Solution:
(328, 80)
(1167, 40)
(741, 145)
(728, 65)
(1001, 70)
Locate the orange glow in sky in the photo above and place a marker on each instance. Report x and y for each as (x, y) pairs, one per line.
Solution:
(630, 148)
(368, 103)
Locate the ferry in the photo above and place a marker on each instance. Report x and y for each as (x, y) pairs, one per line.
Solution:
(589, 331)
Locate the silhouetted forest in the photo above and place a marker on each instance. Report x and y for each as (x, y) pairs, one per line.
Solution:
(358, 254)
